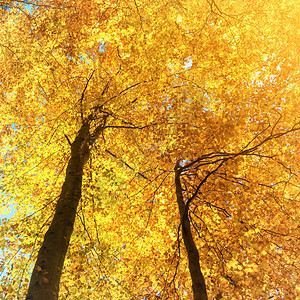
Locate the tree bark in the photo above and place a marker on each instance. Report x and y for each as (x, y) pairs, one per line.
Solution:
(44, 283)
(198, 282)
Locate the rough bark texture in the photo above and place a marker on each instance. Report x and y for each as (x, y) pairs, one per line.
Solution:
(198, 282)
(44, 284)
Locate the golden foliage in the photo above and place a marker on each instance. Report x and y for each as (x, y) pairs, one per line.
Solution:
(179, 80)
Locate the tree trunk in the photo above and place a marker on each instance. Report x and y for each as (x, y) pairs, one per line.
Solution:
(198, 282)
(44, 283)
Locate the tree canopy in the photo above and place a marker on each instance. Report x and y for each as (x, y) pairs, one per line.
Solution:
(180, 116)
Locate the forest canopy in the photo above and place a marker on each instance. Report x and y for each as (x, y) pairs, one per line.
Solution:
(149, 149)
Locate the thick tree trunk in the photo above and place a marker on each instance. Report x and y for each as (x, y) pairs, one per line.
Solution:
(44, 284)
(198, 282)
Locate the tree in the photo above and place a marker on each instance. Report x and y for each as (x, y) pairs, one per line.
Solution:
(191, 217)
(122, 92)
